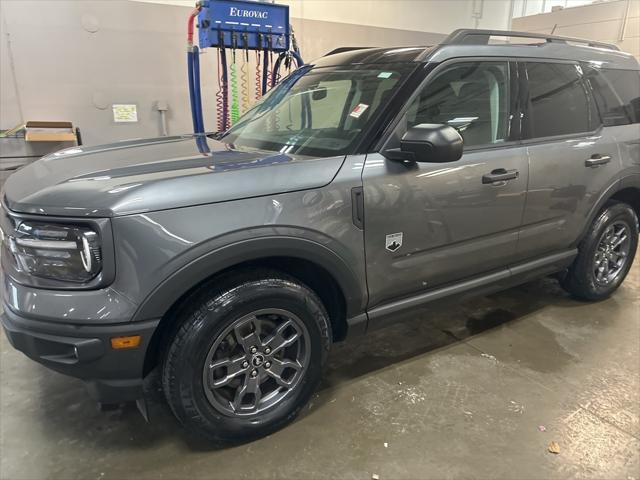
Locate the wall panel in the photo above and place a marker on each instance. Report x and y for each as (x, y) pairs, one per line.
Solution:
(137, 55)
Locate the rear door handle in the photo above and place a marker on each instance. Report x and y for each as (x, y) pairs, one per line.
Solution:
(500, 175)
(597, 160)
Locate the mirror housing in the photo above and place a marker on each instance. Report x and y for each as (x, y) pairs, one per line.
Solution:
(428, 142)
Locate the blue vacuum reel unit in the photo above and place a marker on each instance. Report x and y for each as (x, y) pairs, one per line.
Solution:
(257, 26)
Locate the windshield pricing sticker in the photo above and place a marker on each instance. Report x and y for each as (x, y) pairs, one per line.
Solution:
(385, 74)
(359, 110)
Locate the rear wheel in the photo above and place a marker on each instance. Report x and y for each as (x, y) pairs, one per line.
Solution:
(605, 254)
(247, 356)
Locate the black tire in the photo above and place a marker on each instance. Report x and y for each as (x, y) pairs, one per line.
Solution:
(581, 278)
(216, 308)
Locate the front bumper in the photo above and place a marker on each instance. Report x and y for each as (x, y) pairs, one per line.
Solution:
(84, 351)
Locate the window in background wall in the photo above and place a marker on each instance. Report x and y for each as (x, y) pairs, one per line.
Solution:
(522, 8)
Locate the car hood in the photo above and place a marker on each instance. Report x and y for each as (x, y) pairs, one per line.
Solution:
(145, 175)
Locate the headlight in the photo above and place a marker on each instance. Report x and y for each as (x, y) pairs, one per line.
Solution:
(57, 252)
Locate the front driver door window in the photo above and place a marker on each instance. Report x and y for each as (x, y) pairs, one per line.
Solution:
(453, 226)
(471, 97)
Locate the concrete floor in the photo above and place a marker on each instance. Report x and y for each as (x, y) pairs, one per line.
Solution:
(462, 393)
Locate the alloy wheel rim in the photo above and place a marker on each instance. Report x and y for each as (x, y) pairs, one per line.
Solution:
(256, 362)
(612, 253)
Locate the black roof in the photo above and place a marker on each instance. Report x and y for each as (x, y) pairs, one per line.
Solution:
(473, 42)
(355, 55)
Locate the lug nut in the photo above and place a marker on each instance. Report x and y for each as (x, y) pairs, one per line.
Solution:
(267, 350)
(254, 373)
(253, 350)
(267, 364)
(245, 364)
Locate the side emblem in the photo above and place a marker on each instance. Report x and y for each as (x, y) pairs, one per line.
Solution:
(394, 241)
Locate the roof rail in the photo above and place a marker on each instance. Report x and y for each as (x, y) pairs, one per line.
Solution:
(344, 49)
(469, 36)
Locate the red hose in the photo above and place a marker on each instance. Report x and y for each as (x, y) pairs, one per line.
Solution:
(192, 16)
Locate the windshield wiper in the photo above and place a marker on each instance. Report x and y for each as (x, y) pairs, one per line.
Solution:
(216, 135)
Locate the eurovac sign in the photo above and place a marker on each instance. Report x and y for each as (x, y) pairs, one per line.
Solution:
(243, 13)
(233, 22)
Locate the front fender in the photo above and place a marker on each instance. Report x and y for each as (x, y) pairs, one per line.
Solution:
(158, 302)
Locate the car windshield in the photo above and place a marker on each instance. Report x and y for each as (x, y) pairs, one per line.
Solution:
(318, 111)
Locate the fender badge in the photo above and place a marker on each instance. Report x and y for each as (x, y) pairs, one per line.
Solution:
(394, 241)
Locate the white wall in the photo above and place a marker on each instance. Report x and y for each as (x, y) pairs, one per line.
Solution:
(9, 101)
(601, 21)
(74, 59)
(439, 16)
(64, 72)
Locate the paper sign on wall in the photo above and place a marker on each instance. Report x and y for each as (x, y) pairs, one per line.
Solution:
(125, 113)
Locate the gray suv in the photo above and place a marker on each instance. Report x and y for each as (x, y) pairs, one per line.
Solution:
(362, 188)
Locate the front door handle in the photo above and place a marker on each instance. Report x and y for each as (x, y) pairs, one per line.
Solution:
(597, 160)
(500, 175)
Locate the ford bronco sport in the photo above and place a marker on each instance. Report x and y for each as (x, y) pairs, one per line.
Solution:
(366, 185)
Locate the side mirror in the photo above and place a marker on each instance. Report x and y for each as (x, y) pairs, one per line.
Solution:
(428, 142)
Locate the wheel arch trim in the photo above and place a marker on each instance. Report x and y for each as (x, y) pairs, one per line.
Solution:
(173, 287)
(630, 181)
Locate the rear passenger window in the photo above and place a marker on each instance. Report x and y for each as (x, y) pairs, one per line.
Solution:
(617, 93)
(558, 101)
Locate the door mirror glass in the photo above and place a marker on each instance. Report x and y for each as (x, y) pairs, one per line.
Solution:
(427, 142)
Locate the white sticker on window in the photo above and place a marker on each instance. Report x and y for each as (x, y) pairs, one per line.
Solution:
(385, 74)
(359, 110)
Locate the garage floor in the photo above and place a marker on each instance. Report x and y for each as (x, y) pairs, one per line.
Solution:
(477, 391)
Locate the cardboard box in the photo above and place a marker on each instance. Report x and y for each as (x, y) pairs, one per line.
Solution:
(50, 132)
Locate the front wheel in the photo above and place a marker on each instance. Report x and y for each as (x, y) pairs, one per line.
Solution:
(247, 356)
(605, 255)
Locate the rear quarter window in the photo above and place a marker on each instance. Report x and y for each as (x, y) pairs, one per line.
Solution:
(617, 93)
